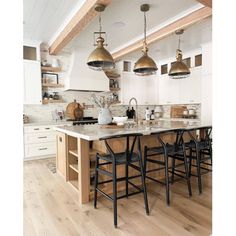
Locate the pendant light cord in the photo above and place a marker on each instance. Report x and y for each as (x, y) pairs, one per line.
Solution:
(100, 24)
(145, 27)
(179, 43)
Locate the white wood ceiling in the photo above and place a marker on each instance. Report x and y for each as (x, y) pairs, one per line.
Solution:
(128, 11)
(193, 37)
(42, 18)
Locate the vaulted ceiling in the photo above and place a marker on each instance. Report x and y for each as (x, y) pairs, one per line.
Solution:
(122, 21)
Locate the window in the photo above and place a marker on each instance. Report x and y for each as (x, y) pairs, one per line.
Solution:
(127, 66)
(29, 53)
(164, 69)
(198, 60)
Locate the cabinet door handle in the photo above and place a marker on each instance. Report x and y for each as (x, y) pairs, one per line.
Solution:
(60, 139)
(43, 137)
(36, 128)
(43, 149)
(47, 128)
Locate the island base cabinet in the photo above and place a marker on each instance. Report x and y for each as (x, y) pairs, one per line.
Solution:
(61, 154)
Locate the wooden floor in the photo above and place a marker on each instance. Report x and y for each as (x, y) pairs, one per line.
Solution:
(51, 209)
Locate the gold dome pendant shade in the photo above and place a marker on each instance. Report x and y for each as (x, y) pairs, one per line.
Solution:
(179, 70)
(100, 58)
(145, 64)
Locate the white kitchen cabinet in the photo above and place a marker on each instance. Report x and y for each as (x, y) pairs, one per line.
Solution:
(39, 141)
(144, 89)
(206, 58)
(169, 90)
(190, 88)
(32, 82)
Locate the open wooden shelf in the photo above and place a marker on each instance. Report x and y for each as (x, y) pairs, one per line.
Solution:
(74, 183)
(114, 89)
(74, 152)
(50, 69)
(112, 75)
(53, 85)
(74, 167)
(51, 101)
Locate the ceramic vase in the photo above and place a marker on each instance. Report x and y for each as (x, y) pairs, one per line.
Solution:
(104, 116)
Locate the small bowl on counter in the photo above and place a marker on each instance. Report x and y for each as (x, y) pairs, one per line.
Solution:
(120, 120)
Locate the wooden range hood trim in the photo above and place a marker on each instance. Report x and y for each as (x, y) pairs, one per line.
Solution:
(77, 23)
(183, 22)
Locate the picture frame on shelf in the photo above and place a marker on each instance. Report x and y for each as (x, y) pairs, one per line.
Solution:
(50, 78)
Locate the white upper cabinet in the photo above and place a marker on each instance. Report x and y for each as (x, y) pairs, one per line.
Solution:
(207, 58)
(206, 91)
(169, 90)
(143, 88)
(190, 88)
(32, 82)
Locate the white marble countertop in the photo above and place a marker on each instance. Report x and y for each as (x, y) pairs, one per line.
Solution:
(53, 122)
(95, 132)
(179, 119)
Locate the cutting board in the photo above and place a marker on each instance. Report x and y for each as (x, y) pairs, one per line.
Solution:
(177, 111)
(112, 126)
(74, 110)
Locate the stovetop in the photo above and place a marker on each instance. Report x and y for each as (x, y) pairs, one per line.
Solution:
(84, 121)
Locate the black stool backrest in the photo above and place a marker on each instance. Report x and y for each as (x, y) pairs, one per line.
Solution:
(129, 152)
(178, 136)
(206, 137)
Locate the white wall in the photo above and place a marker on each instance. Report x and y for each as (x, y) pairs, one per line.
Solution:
(206, 91)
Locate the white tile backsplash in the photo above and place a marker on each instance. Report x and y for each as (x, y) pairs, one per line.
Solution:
(42, 113)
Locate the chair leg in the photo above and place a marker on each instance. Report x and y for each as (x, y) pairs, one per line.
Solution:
(173, 171)
(144, 186)
(199, 171)
(190, 162)
(126, 179)
(114, 193)
(96, 182)
(145, 161)
(167, 179)
(210, 152)
(187, 173)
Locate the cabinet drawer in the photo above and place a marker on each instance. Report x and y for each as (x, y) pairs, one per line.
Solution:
(38, 129)
(40, 137)
(43, 149)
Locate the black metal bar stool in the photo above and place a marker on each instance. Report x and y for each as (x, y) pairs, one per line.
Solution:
(200, 151)
(127, 158)
(160, 155)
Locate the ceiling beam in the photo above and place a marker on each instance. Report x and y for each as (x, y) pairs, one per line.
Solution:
(183, 22)
(77, 23)
(207, 3)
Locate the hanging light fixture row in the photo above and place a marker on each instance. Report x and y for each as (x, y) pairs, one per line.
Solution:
(179, 70)
(101, 59)
(145, 64)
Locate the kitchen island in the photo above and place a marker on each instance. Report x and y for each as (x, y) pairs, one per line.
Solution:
(78, 145)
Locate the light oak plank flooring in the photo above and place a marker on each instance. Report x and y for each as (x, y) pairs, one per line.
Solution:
(51, 209)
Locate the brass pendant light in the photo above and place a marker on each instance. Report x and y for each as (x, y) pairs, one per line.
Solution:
(100, 58)
(179, 70)
(145, 64)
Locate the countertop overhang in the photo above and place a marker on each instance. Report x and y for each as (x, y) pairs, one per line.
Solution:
(95, 131)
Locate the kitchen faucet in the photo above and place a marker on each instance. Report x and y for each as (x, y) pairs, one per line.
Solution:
(136, 108)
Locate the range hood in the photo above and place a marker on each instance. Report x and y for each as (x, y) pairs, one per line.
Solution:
(81, 78)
